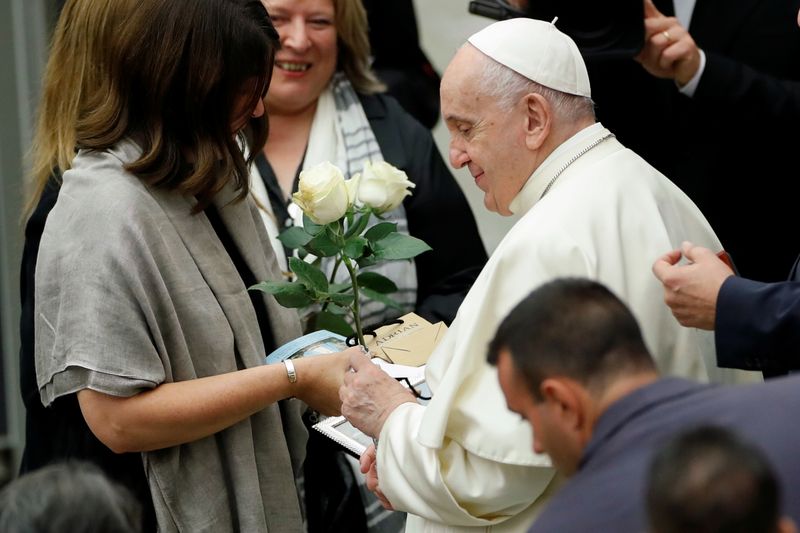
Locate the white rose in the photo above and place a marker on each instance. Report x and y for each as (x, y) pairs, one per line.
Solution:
(352, 188)
(322, 193)
(382, 186)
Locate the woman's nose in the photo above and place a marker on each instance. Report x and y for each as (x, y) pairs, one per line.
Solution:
(295, 36)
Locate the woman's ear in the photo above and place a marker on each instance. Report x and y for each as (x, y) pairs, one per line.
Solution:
(538, 120)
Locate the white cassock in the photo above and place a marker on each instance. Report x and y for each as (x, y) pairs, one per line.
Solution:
(464, 462)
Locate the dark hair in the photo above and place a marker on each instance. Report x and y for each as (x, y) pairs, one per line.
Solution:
(571, 327)
(75, 497)
(707, 480)
(180, 70)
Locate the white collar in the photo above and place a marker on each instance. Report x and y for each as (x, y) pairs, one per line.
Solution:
(537, 182)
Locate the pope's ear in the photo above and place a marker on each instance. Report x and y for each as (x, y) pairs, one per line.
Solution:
(564, 400)
(538, 120)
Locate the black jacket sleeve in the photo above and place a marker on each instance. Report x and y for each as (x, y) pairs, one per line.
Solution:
(758, 325)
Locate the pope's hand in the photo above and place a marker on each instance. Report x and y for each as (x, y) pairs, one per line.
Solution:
(369, 395)
(691, 290)
(369, 467)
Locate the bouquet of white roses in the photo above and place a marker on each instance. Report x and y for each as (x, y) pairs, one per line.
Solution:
(336, 218)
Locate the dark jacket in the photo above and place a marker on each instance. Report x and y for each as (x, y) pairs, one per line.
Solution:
(757, 325)
(607, 493)
(725, 146)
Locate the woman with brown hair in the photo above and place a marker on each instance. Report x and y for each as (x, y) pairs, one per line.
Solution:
(142, 309)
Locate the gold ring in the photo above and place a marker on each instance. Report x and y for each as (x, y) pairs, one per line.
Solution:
(666, 35)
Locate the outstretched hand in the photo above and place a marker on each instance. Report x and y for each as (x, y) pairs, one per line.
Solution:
(669, 50)
(691, 290)
(369, 395)
(319, 379)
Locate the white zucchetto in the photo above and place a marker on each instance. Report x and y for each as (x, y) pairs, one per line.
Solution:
(537, 50)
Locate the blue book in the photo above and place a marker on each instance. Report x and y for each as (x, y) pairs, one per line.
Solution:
(315, 343)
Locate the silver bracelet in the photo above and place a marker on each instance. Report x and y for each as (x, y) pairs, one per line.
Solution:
(290, 371)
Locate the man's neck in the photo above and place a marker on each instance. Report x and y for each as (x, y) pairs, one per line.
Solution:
(596, 402)
(620, 388)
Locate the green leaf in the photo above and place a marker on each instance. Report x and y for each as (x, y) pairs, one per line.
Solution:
(287, 294)
(367, 261)
(270, 287)
(376, 282)
(338, 309)
(332, 322)
(339, 287)
(333, 236)
(382, 298)
(358, 227)
(379, 231)
(310, 226)
(295, 237)
(309, 275)
(322, 246)
(399, 246)
(354, 247)
(340, 298)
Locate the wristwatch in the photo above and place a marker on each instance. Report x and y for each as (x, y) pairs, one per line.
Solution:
(291, 373)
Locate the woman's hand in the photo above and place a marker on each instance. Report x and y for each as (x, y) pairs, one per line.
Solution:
(176, 413)
(319, 378)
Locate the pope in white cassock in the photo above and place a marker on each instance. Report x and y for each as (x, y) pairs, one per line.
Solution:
(516, 100)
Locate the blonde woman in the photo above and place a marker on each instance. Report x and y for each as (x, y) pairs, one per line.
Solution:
(325, 104)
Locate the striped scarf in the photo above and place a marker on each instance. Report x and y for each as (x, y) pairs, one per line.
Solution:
(342, 135)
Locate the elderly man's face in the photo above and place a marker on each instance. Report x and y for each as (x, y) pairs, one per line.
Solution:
(551, 433)
(488, 140)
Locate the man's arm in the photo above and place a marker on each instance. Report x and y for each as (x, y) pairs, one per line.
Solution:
(670, 52)
(758, 325)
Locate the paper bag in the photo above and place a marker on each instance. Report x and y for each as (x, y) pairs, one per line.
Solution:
(408, 342)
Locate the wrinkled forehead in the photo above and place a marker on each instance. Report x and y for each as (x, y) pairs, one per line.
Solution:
(461, 81)
(465, 66)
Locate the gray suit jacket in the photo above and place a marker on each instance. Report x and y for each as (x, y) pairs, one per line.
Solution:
(607, 492)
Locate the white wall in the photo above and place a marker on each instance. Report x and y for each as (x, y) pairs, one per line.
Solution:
(444, 25)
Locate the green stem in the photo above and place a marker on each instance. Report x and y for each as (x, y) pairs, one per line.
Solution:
(356, 301)
(333, 278)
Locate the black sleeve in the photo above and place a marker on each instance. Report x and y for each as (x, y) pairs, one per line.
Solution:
(757, 326)
(437, 212)
(33, 236)
(757, 98)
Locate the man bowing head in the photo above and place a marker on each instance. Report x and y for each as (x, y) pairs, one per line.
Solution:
(517, 102)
